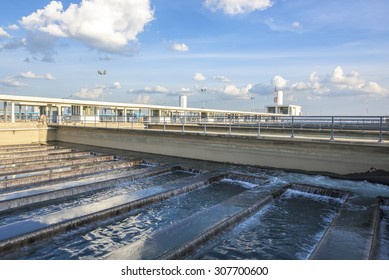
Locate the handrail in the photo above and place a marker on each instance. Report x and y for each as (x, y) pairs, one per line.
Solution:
(311, 127)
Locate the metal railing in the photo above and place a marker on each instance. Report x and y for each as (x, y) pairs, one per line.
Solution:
(325, 127)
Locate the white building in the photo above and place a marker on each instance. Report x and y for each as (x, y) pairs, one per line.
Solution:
(280, 108)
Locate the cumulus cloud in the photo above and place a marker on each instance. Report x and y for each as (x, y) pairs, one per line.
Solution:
(350, 80)
(4, 34)
(143, 99)
(340, 83)
(156, 89)
(374, 88)
(90, 93)
(31, 75)
(184, 91)
(234, 7)
(314, 84)
(116, 85)
(97, 91)
(279, 82)
(13, 27)
(179, 47)
(199, 77)
(107, 25)
(243, 92)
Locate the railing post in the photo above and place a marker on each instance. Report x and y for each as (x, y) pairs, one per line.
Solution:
(164, 123)
(259, 127)
(292, 136)
(183, 125)
(332, 129)
(205, 125)
(380, 139)
(229, 128)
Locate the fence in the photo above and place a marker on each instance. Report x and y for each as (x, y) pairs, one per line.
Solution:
(329, 127)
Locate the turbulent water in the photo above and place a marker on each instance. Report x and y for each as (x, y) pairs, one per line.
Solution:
(294, 216)
(383, 252)
(289, 227)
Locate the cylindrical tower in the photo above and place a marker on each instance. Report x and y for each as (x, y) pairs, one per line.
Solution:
(183, 101)
(278, 97)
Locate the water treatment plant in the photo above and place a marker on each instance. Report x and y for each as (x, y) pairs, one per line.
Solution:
(264, 189)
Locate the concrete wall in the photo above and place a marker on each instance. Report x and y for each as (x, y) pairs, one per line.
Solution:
(321, 157)
(16, 136)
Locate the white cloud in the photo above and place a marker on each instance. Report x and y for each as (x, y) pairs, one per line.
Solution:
(313, 84)
(233, 90)
(156, 89)
(89, 93)
(281, 26)
(107, 25)
(184, 90)
(279, 82)
(351, 80)
(143, 99)
(11, 82)
(31, 75)
(116, 85)
(4, 33)
(199, 77)
(340, 83)
(374, 88)
(13, 27)
(180, 47)
(234, 7)
(222, 79)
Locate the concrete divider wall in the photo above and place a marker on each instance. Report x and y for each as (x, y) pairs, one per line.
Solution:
(309, 156)
(14, 136)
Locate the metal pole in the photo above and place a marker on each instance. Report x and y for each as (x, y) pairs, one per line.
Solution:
(164, 123)
(292, 136)
(380, 139)
(229, 128)
(332, 129)
(259, 128)
(205, 125)
(183, 125)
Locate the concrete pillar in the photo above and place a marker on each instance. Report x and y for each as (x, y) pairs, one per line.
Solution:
(5, 110)
(12, 112)
(50, 113)
(20, 112)
(59, 115)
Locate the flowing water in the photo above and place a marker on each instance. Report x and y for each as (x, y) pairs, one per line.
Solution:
(290, 226)
(296, 216)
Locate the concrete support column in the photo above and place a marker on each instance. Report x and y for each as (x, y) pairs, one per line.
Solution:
(5, 111)
(20, 112)
(12, 112)
(59, 115)
(50, 113)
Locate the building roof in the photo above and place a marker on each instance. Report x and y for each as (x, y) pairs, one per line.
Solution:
(64, 102)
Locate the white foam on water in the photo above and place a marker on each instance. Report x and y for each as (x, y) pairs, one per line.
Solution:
(244, 184)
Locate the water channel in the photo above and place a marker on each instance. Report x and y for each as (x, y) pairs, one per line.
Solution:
(134, 205)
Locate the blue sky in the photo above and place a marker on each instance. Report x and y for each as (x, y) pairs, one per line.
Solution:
(331, 57)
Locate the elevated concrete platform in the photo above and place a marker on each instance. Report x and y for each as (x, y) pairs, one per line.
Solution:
(351, 159)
